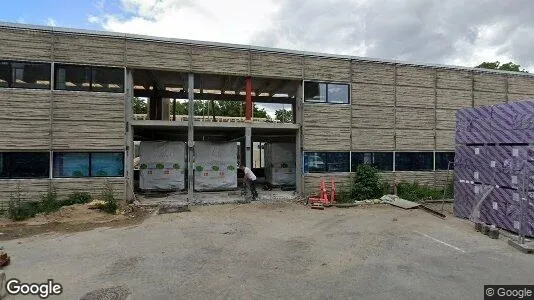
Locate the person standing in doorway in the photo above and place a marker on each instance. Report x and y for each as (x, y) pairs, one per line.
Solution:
(250, 179)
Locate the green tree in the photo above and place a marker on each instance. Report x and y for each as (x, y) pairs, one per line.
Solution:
(283, 115)
(496, 65)
(139, 106)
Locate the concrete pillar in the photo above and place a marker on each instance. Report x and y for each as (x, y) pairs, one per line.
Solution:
(165, 109)
(297, 113)
(248, 146)
(242, 151)
(129, 143)
(190, 137)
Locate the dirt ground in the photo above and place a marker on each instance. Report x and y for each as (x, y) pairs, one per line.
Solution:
(276, 250)
(73, 218)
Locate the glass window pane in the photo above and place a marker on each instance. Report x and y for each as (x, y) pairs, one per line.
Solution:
(443, 159)
(314, 92)
(71, 164)
(314, 162)
(30, 75)
(24, 165)
(107, 164)
(383, 161)
(73, 78)
(337, 161)
(5, 74)
(413, 161)
(338, 93)
(108, 80)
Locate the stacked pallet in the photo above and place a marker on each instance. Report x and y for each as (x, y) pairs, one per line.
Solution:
(494, 166)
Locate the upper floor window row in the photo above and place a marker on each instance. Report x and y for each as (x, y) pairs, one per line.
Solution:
(323, 92)
(88, 78)
(24, 75)
(32, 75)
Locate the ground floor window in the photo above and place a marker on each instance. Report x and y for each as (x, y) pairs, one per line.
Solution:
(383, 161)
(414, 161)
(443, 159)
(24, 164)
(326, 162)
(97, 164)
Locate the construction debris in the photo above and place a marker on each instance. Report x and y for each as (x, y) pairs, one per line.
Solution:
(95, 204)
(4, 259)
(172, 208)
(399, 202)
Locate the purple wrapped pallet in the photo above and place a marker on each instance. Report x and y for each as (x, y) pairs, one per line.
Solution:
(512, 220)
(463, 199)
(473, 125)
(513, 122)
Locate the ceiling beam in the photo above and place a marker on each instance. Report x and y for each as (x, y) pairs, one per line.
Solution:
(217, 97)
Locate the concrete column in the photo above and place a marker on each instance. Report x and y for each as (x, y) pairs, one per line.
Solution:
(165, 109)
(242, 151)
(129, 142)
(190, 137)
(248, 146)
(298, 145)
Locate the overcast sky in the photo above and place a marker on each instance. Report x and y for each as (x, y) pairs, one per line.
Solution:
(458, 32)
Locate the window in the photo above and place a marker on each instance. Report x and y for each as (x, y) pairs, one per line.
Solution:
(71, 164)
(321, 162)
(383, 161)
(5, 74)
(86, 78)
(107, 164)
(414, 161)
(24, 75)
(314, 92)
(443, 159)
(326, 92)
(108, 80)
(24, 165)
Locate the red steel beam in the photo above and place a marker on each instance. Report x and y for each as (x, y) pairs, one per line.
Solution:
(248, 99)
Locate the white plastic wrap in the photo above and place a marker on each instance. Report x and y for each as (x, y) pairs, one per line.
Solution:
(215, 166)
(280, 163)
(162, 165)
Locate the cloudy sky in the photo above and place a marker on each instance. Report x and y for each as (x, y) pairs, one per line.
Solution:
(458, 32)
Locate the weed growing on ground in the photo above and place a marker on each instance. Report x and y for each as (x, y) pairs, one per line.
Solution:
(77, 198)
(18, 210)
(110, 206)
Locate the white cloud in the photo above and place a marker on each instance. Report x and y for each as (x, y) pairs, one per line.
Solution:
(443, 32)
(230, 21)
(51, 22)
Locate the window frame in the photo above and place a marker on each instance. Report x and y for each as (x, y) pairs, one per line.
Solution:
(47, 172)
(90, 166)
(327, 83)
(392, 153)
(92, 71)
(11, 82)
(432, 161)
(436, 160)
(325, 158)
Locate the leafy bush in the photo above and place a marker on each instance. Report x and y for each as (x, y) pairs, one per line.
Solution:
(365, 184)
(77, 198)
(110, 206)
(415, 192)
(17, 209)
(49, 202)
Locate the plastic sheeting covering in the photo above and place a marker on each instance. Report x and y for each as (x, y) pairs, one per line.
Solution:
(280, 163)
(162, 165)
(215, 166)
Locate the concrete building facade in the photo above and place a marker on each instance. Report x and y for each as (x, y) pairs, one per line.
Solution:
(66, 118)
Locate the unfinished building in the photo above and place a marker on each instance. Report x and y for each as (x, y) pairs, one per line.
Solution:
(67, 121)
